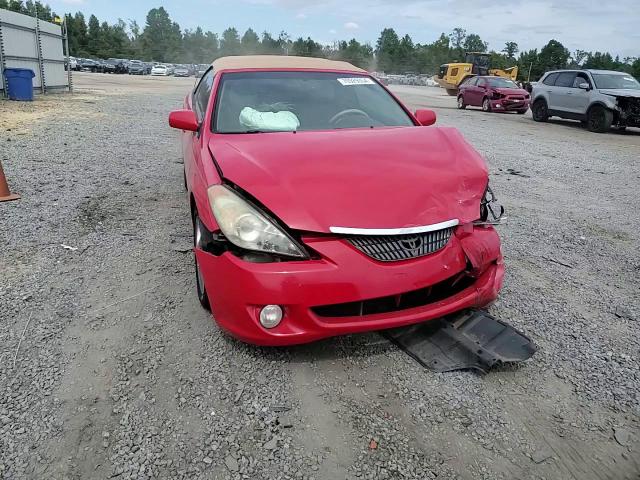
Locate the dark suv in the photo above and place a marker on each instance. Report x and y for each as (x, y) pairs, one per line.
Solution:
(88, 65)
(115, 65)
(136, 67)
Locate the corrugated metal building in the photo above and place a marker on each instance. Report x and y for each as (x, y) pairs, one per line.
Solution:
(26, 42)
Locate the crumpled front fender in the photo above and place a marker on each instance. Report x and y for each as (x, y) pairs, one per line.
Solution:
(481, 245)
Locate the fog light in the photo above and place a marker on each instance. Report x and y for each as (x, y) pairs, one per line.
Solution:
(270, 316)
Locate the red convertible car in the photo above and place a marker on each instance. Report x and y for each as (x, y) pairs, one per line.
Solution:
(322, 206)
(493, 94)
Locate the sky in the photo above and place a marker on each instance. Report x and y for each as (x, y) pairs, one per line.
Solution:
(593, 25)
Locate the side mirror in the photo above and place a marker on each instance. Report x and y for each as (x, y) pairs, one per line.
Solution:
(426, 117)
(184, 120)
(584, 86)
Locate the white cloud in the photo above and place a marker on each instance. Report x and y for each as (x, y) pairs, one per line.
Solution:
(301, 16)
(332, 31)
(351, 26)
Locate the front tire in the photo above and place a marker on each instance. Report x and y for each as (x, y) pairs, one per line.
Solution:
(486, 105)
(201, 290)
(461, 104)
(599, 119)
(539, 111)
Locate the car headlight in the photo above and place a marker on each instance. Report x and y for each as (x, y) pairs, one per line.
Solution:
(246, 227)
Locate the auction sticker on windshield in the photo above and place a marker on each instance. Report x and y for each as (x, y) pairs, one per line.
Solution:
(356, 81)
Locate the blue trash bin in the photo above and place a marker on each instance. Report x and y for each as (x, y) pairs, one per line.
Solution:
(19, 83)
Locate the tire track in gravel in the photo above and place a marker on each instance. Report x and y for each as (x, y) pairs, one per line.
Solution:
(321, 431)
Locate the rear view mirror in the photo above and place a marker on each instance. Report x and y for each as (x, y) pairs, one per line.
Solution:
(426, 117)
(584, 86)
(184, 120)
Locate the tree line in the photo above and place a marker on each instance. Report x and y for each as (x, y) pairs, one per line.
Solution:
(401, 55)
(162, 40)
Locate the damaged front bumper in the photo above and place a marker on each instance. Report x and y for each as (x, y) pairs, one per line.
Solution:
(628, 111)
(508, 104)
(344, 291)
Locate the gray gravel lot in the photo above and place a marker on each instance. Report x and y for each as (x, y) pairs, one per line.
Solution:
(120, 374)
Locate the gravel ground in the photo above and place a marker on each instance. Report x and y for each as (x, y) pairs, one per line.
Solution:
(109, 368)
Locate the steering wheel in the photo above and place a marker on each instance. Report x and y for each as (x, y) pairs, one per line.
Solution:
(345, 113)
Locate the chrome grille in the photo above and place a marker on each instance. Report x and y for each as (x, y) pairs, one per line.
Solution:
(391, 248)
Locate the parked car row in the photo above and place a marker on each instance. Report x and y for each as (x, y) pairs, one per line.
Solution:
(135, 67)
(404, 79)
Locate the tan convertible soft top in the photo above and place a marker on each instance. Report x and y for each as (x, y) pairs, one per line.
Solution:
(273, 62)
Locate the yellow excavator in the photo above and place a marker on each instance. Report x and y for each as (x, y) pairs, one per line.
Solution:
(476, 63)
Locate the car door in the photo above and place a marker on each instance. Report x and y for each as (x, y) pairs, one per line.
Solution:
(560, 97)
(193, 144)
(479, 91)
(469, 93)
(543, 88)
(579, 98)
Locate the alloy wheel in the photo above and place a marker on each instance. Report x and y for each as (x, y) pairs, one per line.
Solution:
(596, 121)
(539, 111)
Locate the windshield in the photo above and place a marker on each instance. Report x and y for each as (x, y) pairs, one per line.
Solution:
(478, 59)
(610, 80)
(290, 101)
(501, 82)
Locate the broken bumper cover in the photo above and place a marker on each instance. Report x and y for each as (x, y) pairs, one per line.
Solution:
(470, 339)
(628, 111)
(508, 105)
(238, 289)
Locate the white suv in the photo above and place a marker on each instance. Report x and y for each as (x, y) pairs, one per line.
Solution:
(598, 98)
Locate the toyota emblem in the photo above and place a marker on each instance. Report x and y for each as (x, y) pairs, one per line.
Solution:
(412, 243)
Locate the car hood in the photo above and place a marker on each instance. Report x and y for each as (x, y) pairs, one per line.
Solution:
(511, 91)
(357, 178)
(621, 92)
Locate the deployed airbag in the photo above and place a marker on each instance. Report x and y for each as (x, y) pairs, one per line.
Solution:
(283, 121)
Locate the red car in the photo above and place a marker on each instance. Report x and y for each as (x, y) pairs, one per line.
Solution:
(322, 206)
(493, 94)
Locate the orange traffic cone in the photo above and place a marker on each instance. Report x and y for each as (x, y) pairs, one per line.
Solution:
(5, 193)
